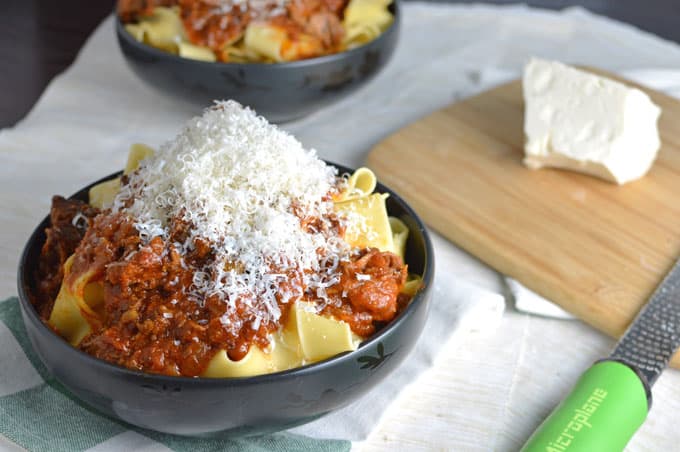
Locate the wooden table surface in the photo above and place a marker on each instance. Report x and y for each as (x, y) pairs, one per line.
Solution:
(40, 38)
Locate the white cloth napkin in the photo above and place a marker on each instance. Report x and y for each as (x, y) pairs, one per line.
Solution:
(528, 301)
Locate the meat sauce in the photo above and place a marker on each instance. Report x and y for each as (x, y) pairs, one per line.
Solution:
(217, 25)
(149, 320)
(62, 238)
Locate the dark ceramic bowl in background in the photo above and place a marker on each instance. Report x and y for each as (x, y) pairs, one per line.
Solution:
(279, 91)
(234, 406)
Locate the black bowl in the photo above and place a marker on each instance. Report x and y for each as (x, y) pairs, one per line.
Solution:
(233, 406)
(280, 92)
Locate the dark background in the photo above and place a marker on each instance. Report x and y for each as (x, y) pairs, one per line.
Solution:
(39, 38)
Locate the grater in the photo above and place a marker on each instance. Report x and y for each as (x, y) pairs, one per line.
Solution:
(611, 399)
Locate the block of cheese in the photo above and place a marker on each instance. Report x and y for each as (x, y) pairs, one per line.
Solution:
(583, 122)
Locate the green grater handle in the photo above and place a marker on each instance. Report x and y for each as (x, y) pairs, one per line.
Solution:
(602, 412)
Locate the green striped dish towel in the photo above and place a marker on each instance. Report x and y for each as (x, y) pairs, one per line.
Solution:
(39, 414)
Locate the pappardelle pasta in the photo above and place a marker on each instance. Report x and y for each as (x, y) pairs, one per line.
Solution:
(247, 31)
(230, 251)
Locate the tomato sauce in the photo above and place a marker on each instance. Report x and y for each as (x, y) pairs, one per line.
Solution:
(151, 321)
(218, 25)
(62, 238)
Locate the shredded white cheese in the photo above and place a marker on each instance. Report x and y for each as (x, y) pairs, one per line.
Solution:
(80, 221)
(259, 9)
(239, 182)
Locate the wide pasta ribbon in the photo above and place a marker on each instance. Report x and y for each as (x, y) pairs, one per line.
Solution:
(75, 308)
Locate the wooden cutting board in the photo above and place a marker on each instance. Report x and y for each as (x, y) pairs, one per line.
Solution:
(595, 248)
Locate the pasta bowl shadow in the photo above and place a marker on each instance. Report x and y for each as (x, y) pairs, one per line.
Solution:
(233, 406)
(279, 91)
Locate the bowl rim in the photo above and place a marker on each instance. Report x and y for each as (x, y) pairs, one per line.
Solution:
(127, 37)
(295, 372)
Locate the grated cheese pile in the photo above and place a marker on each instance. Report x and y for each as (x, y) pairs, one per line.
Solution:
(239, 182)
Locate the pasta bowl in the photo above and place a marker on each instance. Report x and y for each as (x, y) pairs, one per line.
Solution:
(278, 91)
(233, 406)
